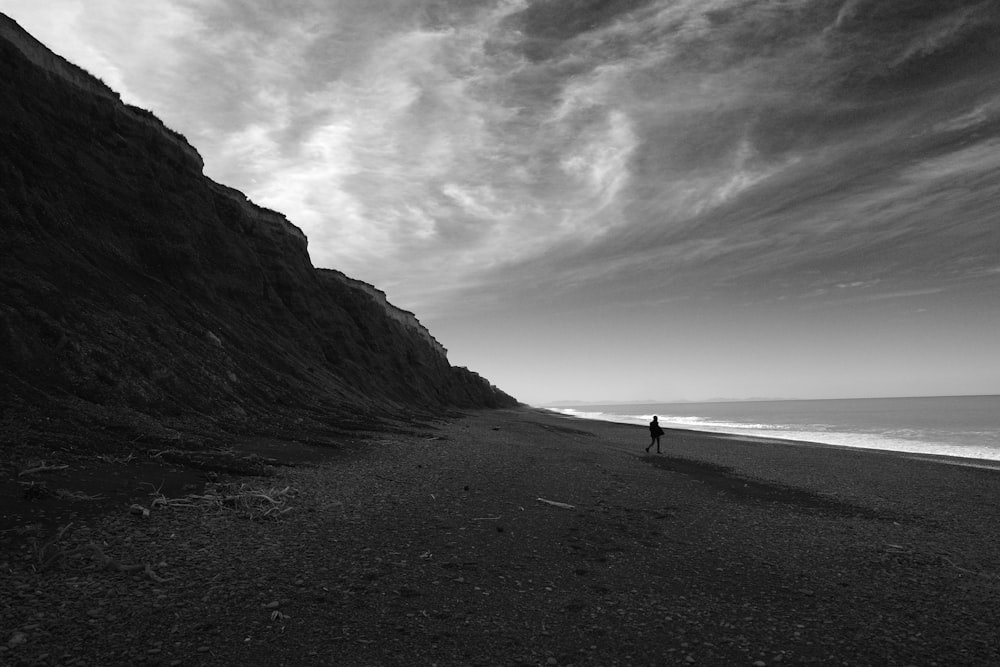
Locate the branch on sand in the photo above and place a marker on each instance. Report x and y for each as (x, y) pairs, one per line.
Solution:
(41, 468)
(253, 503)
(51, 554)
(80, 496)
(554, 503)
(945, 558)
(950, 562)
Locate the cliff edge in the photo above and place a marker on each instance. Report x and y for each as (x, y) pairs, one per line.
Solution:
(138, 295)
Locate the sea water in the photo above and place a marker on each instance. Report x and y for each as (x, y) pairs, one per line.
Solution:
(963, 426)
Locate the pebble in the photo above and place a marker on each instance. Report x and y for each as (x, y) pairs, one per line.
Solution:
(17, 639)
(271, 605)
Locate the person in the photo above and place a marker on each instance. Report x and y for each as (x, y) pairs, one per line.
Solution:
(654, 433)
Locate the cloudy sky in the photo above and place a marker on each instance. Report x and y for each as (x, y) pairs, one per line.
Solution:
(618, 199)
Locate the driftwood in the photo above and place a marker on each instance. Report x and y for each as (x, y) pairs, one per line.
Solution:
(66, 494)
(254, 503)
(565, 506)
(948, 561)
(945, 558)
(105, 562)
(41, 468)
(108, 458)
(50, 554)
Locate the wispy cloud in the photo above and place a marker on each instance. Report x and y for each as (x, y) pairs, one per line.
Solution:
(497, 152)
(903, 295)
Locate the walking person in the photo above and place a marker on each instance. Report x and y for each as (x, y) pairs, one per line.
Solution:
(654, 433)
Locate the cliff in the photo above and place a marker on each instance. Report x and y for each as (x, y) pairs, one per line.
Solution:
(139, 295)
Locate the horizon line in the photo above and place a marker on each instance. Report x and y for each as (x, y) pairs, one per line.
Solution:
(577, 403)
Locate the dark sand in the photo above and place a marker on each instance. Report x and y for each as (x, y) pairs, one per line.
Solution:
(436, 547)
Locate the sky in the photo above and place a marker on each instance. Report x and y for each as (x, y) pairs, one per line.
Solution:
(618, 200)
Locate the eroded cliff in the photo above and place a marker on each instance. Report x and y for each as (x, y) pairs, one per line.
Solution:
(134, 290)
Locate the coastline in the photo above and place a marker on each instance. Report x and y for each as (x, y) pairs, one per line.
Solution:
(955, 459)
(522, 537)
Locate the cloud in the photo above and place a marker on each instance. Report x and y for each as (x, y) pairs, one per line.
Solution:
(505, 148)
(905, 294)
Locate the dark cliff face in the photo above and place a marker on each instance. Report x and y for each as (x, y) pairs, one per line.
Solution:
(130, 282)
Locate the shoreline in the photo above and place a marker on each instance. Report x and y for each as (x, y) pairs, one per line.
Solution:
(971, 461)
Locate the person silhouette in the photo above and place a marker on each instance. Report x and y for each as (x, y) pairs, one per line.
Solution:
(654, 433)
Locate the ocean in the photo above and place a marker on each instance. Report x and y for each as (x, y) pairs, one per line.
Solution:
(963, 426)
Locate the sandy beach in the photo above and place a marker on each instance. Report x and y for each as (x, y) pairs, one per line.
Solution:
(514, 537)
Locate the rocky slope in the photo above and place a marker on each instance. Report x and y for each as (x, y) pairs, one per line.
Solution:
(137, 296)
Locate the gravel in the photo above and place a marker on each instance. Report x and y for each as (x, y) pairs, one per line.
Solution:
(524, 538)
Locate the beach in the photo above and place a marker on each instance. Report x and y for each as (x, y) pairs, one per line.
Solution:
(512, 537)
